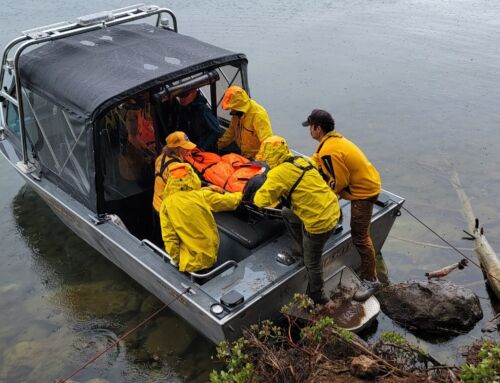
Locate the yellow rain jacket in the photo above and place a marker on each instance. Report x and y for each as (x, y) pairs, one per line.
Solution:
(249, 130)
(161, 164)
(312, 200)
(354, 176)
(188, 226)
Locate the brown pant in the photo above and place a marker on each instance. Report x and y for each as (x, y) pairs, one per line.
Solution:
(361, 215)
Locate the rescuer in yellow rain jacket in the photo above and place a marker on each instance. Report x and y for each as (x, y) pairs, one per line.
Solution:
(312, 210)
(188, 226)
(249, 125)
(177, 147)
(352, 176)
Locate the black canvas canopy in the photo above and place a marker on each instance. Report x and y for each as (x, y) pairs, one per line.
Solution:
(87, 73)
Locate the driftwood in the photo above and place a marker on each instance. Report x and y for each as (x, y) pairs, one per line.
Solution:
(492, 325)
(489, 260)
(446, 270)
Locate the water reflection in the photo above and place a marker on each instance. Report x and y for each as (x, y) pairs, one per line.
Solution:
(82, 305)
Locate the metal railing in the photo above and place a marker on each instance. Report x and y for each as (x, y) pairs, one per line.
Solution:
(219, 269)
(158, 250)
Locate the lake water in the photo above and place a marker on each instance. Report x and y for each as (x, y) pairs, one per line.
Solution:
(414, 83)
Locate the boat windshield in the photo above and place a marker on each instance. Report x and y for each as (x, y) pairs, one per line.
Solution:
(62, 144)
(127, 138)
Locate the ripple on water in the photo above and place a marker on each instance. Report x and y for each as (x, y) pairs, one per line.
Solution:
(93, 341)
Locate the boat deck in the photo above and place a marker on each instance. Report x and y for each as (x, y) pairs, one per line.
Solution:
(260, 270)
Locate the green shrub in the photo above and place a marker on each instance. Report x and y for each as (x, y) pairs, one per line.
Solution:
(488, 368)
(301, 302)
(238, 369)
(319, 330)
(394, 338)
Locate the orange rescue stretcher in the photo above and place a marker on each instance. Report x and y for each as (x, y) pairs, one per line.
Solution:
(231, 172)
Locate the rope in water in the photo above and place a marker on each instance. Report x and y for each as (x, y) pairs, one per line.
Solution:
(448, 243)
(427, 244)
(99, 354)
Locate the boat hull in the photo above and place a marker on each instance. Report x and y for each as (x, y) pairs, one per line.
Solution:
(265, 284)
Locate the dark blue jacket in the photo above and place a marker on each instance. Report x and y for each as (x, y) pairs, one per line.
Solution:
(199, 123)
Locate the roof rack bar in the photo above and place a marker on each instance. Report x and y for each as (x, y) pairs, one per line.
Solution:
(45, 30)
(123, 14)
(128, 8)
(100, 18)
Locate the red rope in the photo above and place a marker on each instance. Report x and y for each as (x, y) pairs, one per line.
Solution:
(98, 355)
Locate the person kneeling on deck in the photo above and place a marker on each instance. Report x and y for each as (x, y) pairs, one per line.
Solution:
(188, 226)
(352, 176)
(311, 213)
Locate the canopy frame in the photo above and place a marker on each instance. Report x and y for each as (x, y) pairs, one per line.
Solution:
(59, 31)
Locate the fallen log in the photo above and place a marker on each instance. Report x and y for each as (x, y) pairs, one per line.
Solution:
(492, 325)
(446, 270)
(488, 259)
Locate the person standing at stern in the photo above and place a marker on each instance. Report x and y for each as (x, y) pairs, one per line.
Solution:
(311, 209)
(352, 176)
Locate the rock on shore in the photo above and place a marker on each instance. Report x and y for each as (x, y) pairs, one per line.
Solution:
(436, 307)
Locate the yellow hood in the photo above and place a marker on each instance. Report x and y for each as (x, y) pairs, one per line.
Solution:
(235, 98)
(181, 177)
(274, 151)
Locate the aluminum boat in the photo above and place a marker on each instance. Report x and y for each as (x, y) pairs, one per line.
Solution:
(63, 89)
